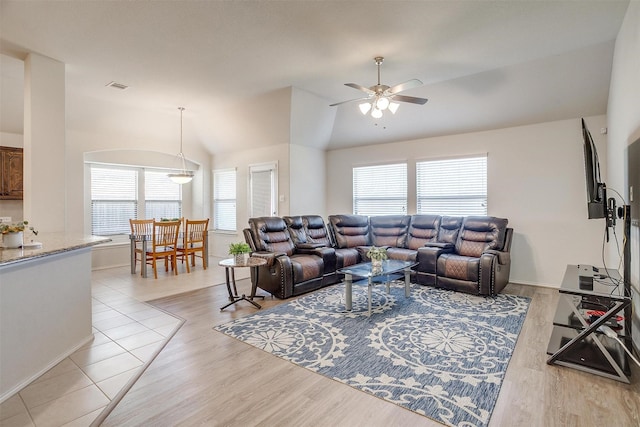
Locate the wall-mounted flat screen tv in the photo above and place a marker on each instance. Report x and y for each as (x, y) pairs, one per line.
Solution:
(633, 170)
(596, 189)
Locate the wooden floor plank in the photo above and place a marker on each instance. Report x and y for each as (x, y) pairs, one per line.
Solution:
(203, 377)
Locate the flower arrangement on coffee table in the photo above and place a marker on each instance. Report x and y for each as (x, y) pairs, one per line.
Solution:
(377, 255)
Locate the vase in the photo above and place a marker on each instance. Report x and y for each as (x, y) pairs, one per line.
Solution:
(12, 240)
(376, 266)
(240, 259)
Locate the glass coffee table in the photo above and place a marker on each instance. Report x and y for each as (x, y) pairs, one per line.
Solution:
(365, 270)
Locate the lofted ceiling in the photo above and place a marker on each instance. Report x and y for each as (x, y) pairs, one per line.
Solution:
(238, 67)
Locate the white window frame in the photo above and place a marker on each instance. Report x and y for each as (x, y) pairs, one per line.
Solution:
(222, 197)
(380, 189)
(454, 186)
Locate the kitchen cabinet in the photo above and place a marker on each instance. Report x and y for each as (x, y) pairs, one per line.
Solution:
(11, 173)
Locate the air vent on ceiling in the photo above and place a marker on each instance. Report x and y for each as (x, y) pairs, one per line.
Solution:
(117, 85)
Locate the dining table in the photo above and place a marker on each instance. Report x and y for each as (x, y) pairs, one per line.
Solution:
(147, 239)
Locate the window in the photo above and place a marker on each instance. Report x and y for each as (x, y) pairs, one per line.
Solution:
(380, 190)
(120, 193)
(224, 200)
(452, 186)
(162, 196)
(114, 199)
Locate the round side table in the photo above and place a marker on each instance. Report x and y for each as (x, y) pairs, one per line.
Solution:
(229, 265)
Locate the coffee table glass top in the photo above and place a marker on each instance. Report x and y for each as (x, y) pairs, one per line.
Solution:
(365, 269)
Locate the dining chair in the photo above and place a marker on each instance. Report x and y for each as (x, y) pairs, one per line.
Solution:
(194, 242)
(140, 228)
(164, 243)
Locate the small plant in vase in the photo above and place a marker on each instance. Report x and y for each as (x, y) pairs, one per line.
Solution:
(240, 252)
(13, 234)
(377, 255)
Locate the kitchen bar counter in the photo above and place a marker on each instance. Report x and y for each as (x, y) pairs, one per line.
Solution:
(45, 306)
(52, 243)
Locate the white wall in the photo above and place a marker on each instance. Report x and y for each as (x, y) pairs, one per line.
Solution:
(536, 179)
(624, 129)
(308, 172)
(241, 160)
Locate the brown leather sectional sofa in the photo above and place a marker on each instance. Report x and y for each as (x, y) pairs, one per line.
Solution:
(468, 254)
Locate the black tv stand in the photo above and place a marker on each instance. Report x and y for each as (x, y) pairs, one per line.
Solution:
(576, 341)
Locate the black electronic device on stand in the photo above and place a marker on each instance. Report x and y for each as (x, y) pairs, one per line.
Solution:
(598, 206)
(593, 321)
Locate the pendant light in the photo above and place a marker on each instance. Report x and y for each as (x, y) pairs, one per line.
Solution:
(184, 176)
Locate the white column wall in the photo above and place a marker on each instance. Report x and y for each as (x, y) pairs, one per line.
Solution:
(44, 143)
(308, 183)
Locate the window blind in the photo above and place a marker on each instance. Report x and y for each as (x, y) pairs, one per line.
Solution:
(117, 196)
(113, 200)
(380, 189)
(452, 186)
(224, 199)
(162, 196)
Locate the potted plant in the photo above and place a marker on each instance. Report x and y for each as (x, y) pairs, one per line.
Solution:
(377, 255)
(13, 234)
(240, 252)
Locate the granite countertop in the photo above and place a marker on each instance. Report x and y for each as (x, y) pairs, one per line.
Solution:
(52, 243)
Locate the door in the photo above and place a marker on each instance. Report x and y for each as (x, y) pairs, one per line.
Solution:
(263, 184)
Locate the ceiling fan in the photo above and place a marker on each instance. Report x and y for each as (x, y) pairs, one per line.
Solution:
(381, 97)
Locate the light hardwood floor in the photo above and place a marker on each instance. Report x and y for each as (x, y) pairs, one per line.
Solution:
(203, 377)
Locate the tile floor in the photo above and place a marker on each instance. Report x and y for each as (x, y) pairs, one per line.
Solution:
(127, 335)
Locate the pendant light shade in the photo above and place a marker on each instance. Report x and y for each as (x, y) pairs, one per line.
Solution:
(184, 176)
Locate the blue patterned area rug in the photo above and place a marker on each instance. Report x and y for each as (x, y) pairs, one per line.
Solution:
(439, 353)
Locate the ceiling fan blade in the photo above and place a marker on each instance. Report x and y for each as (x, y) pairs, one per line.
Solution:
(359, 87)
(409, 84)
(350, 100)
(411, 99)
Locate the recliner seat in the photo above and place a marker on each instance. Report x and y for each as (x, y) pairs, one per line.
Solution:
(288, 271)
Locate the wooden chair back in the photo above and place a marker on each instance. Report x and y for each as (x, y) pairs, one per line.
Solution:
(139, 228)
(165, 234)
(194, 241)
(195, 232)
(164, 243)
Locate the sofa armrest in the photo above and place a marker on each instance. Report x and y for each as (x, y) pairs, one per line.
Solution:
(427, 256)
(503, 257)
(277, 276)
(304, 246)
(328, 255)
(269, 256)
(494, 271)
(440, 245)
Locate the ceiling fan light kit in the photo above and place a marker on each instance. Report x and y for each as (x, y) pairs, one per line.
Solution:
(381, 97)
(365, 107)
